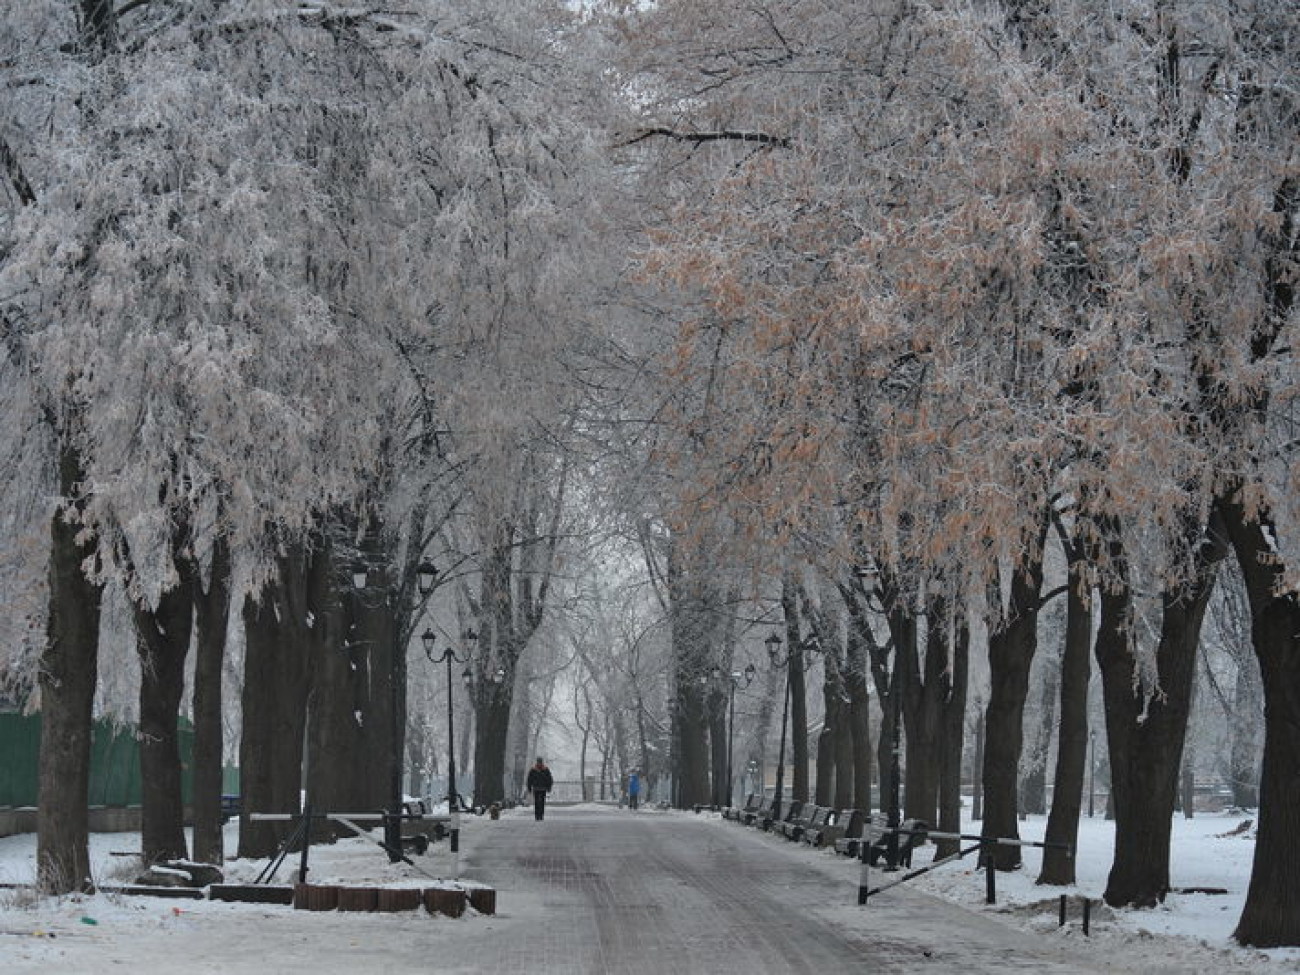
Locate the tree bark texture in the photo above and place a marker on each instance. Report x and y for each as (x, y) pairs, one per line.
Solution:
(163, 643)
(212, 618)
(277, 663)
(1072, 735)
(1012, 642)
(1146, 732)
(952, 734)
(67, 679)
(1271, 916)
(349, 735)
(924, 689)
(858, 719)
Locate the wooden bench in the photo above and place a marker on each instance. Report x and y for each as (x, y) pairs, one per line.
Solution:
(912, 833)
(829, 832)
(759, 815)
(791, 812)
(858, 829)
(814, 817)
(737, 813)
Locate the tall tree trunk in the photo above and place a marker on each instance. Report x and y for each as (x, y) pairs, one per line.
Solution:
(858, 720)
(376, 636)
(277, 661)
(1012, 643)
(716, 705)
(163, 642)
(1243, 759)
(1033, 798)
(924, 690)
(1146, 733)
(1072, 737)
(1271, 916)
(952, 734)
(860, 647)
(492, 712)
(69, 666)
(350, 730)
(797, 688)
(212, 619)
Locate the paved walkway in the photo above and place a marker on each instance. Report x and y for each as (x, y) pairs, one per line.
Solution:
(610, 891)
(590, 891)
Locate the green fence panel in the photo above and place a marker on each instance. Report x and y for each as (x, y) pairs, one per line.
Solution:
(114, 762)
(20, 742)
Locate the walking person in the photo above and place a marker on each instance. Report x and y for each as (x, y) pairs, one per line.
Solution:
(539, 782)
(633, 788)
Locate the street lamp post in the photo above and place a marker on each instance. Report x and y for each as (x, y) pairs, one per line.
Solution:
(449, 656)
(392, 821)
(785, 660)
(739, 679)
(778, 659)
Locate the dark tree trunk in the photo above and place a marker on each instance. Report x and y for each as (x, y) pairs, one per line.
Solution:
(952, 735)
(1012, 643)
(1244, 753)
(350, 731)
(717, 715)
(1271, 917)
(492, 713)
(824, 779)
(67, 678)
(1072, 737)
(858, 719)
(926, 688)
(693, 753)
(163, 642)
(1033, 799)
(1146, 737)
(977, 768)
(860, 646)
(842, 792)
(798, 725)
(212, 618)
(277, 663)
(377, 633)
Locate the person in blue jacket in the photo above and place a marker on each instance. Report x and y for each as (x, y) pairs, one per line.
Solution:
(633, 788)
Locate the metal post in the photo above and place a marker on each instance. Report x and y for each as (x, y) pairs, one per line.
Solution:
(393, 824)
(1092, 771)
(731, 737)
(453, 798)
(895, 750)
(990, 874)
(780, 760)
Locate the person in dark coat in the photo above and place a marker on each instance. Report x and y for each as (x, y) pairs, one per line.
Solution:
(539, 783)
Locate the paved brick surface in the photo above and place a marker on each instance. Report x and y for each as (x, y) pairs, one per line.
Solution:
(611, 891)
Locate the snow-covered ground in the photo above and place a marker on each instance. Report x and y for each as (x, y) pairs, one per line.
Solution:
(1209, 851)
(1190, 932)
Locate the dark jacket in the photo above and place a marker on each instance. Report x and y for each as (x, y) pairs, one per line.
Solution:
(539, 778)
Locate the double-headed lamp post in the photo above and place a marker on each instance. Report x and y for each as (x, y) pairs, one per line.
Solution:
(449, 656)
(739, 679)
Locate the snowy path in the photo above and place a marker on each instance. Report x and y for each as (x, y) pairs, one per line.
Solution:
(591, 890)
